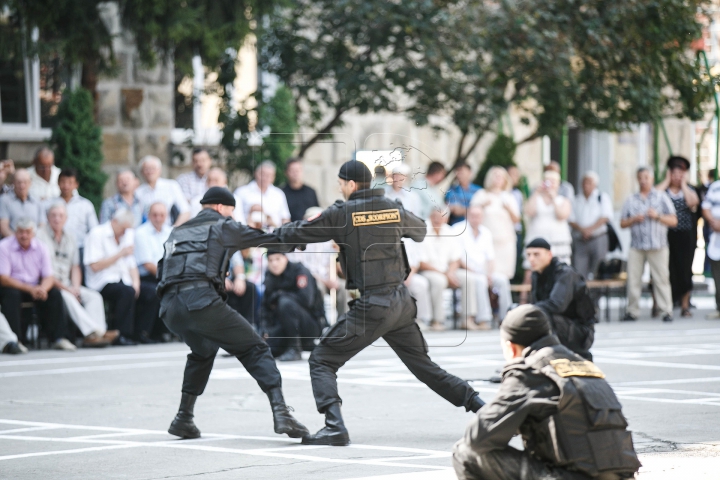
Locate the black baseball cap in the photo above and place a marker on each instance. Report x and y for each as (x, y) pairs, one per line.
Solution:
(218, 196)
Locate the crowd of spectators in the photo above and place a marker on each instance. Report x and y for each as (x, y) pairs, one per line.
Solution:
(58, 261)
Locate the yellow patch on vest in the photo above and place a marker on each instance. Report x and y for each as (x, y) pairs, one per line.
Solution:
(376, 218)
(567, 368)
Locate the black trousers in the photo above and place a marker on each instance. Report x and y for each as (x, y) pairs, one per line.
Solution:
(682, 252)
(205, 323)
(247, 305)
(131, 315)
(291, 322)
(389, 314)
(51, 312)
(507, 464)
(573, 334)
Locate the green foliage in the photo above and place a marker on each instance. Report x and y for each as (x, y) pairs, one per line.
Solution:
(278, 115)
(500, 154)
(77, 143)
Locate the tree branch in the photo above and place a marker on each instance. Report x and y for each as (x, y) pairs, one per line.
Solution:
(324, 131)
(530, 138)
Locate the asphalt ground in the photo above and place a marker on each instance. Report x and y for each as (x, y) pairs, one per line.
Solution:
(104, 413)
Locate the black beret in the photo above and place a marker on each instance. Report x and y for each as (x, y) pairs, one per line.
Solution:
(218, 196)
(677, 161)
(356, 171)
(539, 243)
(525, 325)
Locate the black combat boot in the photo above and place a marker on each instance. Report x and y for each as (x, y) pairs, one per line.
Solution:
(183, 425)
(282, 420)
(476, 404)
(333, 433)
(293, 352)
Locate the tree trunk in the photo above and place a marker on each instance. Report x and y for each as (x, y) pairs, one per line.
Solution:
(89, 81)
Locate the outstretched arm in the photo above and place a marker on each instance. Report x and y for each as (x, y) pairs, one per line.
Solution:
(314, 230)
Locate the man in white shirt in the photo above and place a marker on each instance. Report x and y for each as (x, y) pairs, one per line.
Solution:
(85, 306)
(44, 176)
(401, 190)
(591, 211)
(81, 217)
(111, 269)
(150, 239)
(479, 261)
(428, 190)
(162, 190)
(261, 191)
(711, 215)
(216, 177)
(440, 264)
(418, 285)
(193, 183)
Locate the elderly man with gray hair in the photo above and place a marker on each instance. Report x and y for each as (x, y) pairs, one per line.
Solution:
(274, 209)
(85, 306)
(111, 269)
(26, 276)
(591, 212)
(158, 189)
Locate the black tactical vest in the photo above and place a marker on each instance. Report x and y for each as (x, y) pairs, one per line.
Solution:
(194, 252)
(588, 433)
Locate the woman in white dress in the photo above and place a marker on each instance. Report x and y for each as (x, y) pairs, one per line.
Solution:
(547, 214)
(501, 215)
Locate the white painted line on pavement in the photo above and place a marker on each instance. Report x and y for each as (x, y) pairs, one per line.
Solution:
(94, 358)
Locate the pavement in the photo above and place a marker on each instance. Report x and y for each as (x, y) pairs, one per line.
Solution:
(105, 413)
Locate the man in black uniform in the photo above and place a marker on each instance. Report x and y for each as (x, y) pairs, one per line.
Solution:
(293, 311)
(570, 420)
(368, 228)
(560, 291)
(192, 290)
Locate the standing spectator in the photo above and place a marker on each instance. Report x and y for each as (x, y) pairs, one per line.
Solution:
(648, 214)
(380, 177)
(440, 264)
(711, 215)
(591, 212)
(44, 176)
(26, 276)
(477, 241)
(298, 196)
(262, 192)
(459, 196)
(565, 189)
(242, 293)
(81, 217)
(418, 285)
(111, 269)
(150, 240)
(519, 192)
(216, 177)
(428, 190)
(194, 183)
(7, 168)
(547, 212)
(164, 190)
(8, 340)
(126, 198)
(500, 216)
(682, 239)
(702, 191)
(401, 190)
(85, 306)
(19, 204)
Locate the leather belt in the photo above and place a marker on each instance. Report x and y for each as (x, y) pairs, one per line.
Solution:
(181, 287)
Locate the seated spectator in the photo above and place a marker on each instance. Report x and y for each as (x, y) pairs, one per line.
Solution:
(126, 198)
(111, 269)
(565, 189)
(401, 189)
(293, 311)
(194, 184)
(262, 192)
(591, 211)
(428, 190)
(648, 214)
(150, 238)
(440, 264)
(216, 177)
(546, 404)
(242, 293)
(459, 195)
(560, 292)
(7, 168)
(418, 285)
(547, 212)
(81, 217)
(8, 340)
(479, 261)
(298, 196)
(85, 306)
(26, 276)
(19, 204)
(44, 176)
(164, 190)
